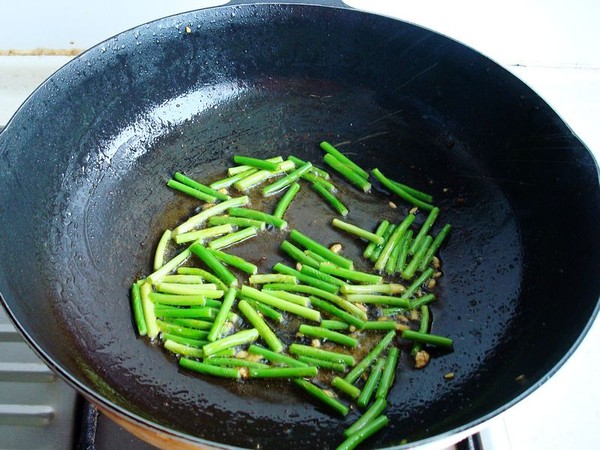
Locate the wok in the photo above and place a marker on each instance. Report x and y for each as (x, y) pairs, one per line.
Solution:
(83, 204)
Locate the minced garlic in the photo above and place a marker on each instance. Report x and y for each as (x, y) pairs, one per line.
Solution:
(336, 248)
(421, 359)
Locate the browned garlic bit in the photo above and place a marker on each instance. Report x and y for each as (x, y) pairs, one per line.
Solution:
(244, 372)
(449, 376)
(188, 30)
(207, 205)
(298, 266)
(436, 262)
(243, 354)
(414, 210)
(392, 205)
(223, 191)
(421, 359)
(228, 327)
(414, 314)
(315, 343)
(431, 283)
(401, 326)
(336, 248)
(402, 318)
(254, 357)
(397, 288)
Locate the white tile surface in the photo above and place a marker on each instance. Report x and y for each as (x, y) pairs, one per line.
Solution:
(68, 24)
(20, 75)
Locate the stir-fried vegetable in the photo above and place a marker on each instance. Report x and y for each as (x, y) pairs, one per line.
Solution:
(334, 331)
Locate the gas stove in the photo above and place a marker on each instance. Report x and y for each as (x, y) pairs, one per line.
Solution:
(554, 47)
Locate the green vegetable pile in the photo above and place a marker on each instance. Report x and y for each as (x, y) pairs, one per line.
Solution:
(222, 318)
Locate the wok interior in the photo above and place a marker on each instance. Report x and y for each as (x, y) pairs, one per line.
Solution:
(87, 157)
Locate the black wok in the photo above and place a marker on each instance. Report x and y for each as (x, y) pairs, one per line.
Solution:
(83, 202)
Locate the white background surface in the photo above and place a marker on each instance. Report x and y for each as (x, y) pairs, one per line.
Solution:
(554, 46)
